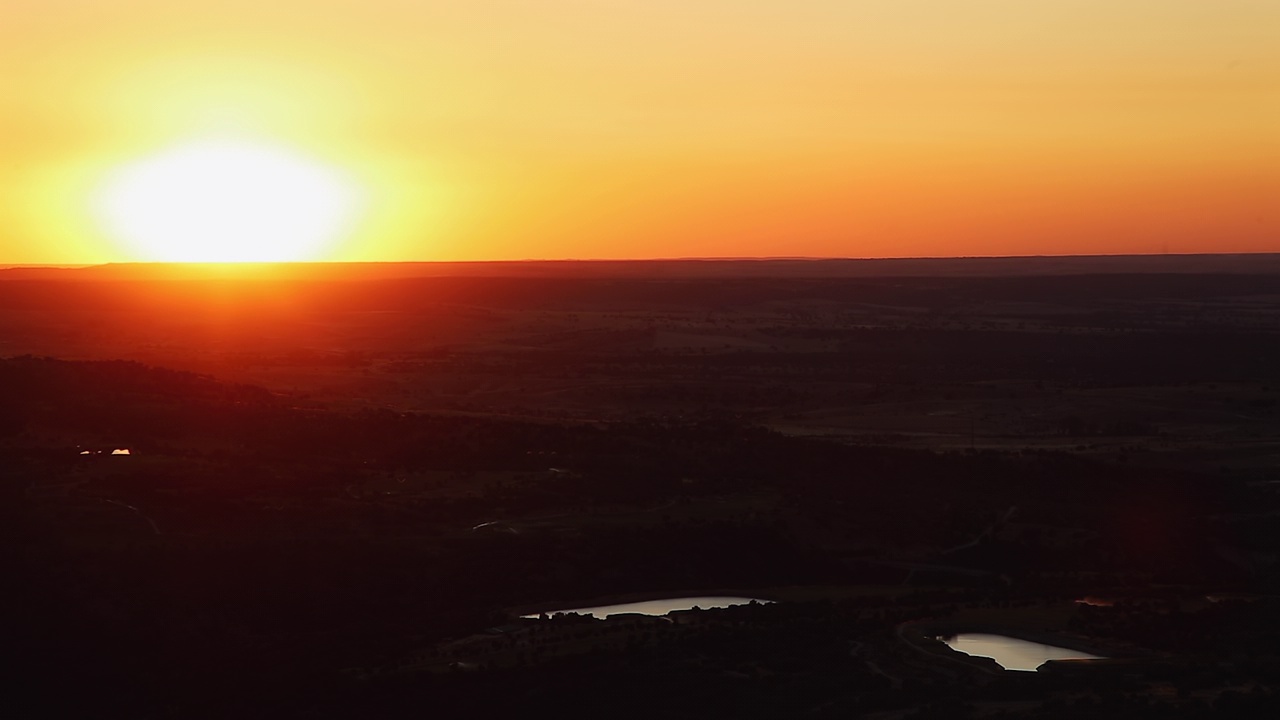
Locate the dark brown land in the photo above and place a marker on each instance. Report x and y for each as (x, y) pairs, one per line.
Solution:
(341, 476)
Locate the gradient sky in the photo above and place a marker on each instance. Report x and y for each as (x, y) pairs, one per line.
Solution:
(499, 129)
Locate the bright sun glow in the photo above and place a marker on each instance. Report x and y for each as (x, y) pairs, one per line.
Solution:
(227, 201)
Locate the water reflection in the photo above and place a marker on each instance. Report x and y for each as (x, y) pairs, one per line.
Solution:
(1012, 653)
(659, 607)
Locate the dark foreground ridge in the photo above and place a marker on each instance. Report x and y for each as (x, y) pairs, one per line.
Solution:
(339, 496)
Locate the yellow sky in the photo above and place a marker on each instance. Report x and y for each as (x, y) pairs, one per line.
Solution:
(496, 129)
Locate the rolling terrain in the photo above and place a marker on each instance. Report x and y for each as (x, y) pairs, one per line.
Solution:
(339, 491)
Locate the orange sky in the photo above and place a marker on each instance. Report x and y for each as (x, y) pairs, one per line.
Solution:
(498, 129)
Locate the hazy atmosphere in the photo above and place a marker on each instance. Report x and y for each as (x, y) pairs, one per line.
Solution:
(580, 359)
(509, 129)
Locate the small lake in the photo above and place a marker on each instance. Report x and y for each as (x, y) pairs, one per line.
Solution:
(658, 607)
(1011, 653)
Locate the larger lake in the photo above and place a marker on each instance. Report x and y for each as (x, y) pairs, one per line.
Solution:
(658, 607)
(1012, 653)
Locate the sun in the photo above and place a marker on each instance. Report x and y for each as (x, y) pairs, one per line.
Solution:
(227, 201)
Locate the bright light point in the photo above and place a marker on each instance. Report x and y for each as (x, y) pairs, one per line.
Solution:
(227, 201)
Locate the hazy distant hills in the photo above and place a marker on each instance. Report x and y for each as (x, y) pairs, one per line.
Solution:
(1268, 263)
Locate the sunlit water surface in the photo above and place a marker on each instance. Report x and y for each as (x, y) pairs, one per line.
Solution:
(1012, 653)
(658, 607)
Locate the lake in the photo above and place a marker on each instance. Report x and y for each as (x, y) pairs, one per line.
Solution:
(1012, 653)
(658, 607)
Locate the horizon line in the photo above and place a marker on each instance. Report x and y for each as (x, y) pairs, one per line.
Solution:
(693, 258)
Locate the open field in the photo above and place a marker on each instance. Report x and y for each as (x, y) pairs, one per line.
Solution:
(1135, 361)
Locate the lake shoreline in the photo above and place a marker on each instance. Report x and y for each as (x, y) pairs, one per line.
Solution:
(780, 593)
(1105, 650)
(552, 607)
